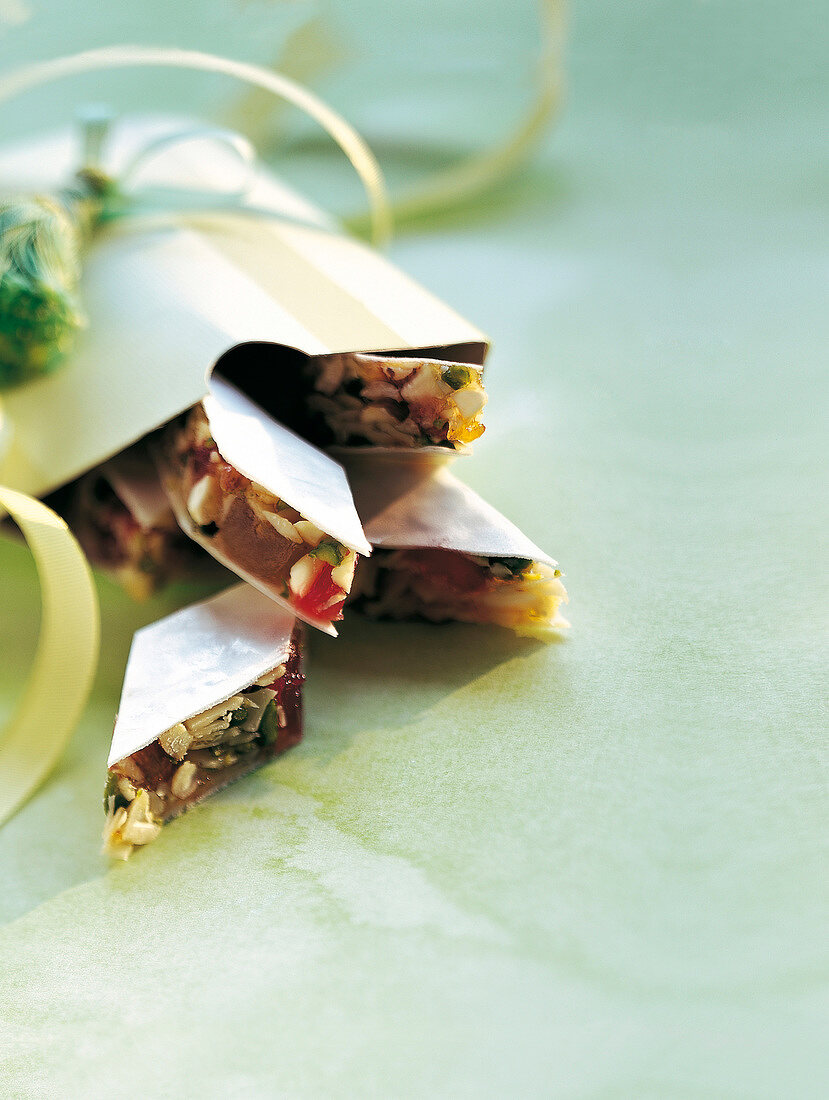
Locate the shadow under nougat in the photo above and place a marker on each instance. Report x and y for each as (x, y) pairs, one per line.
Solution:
(384, 674)
(376, 676)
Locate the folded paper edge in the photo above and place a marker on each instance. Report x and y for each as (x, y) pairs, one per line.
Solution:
(213, 400)
(281, 653)
(442, 479)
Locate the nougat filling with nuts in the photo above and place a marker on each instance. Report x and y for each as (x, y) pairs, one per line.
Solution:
(359, 400)
(198, 756)
(255, 530)
(444, 585)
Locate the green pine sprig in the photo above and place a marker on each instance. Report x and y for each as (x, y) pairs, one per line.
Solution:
(42, 239)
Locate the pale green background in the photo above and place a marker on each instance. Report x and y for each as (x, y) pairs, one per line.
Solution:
(595, 869)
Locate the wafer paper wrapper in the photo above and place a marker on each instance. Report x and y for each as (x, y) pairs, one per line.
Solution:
(168, 295)
(404, 507)
(286, 466)
(195, 659)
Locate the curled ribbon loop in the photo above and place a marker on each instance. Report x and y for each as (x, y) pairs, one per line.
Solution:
(117, 57)
(66, 658)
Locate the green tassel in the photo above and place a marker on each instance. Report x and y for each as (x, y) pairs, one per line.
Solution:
(41, 242)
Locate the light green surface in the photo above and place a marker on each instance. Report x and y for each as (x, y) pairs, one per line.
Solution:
(590, 870)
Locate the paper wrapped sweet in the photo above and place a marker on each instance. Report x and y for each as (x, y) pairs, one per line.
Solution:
(210, 693)
(264, 502)
(168, 296)
(442, 553)
(122, 518)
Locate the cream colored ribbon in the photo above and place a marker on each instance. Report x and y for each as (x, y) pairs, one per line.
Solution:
(66, 657)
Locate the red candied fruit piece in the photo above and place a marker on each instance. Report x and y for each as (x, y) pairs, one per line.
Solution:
(156, 765)
(321, 590)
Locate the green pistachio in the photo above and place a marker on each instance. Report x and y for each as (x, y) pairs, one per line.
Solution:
(269, 724)
(329, 551)
(457, 376)
(111, 791)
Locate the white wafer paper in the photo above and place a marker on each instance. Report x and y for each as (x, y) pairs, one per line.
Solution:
(194, 659)
(283, 463)
(286, 466)
(403, 506)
